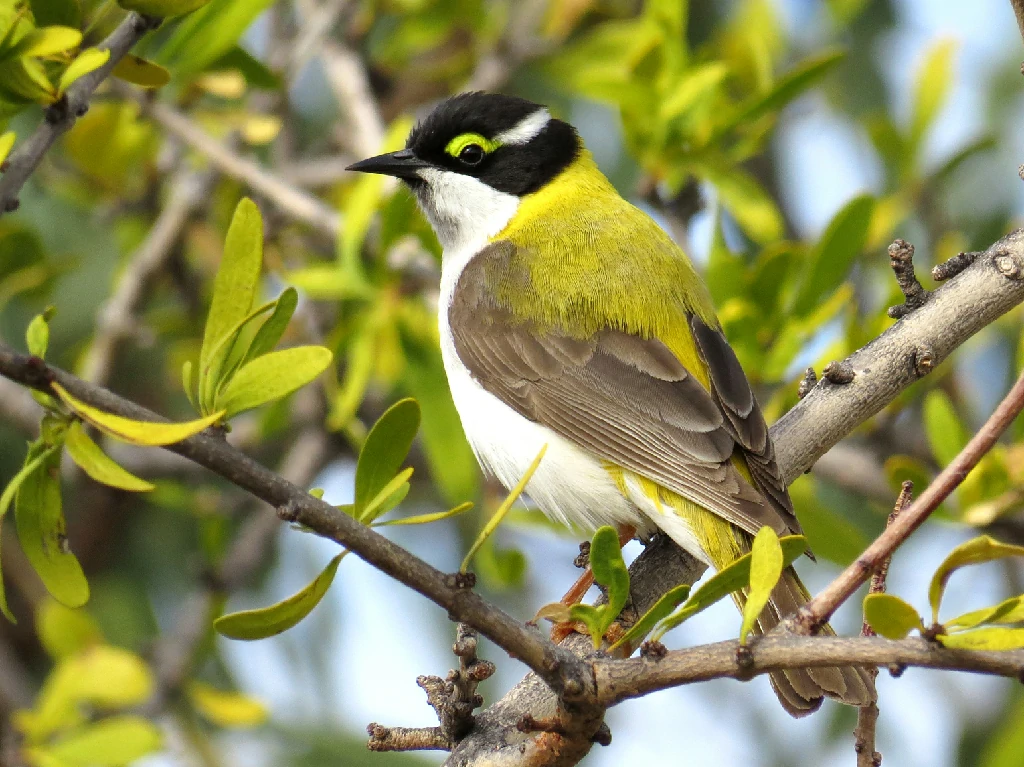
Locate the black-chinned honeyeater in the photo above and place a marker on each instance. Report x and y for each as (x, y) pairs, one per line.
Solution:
(569, 318)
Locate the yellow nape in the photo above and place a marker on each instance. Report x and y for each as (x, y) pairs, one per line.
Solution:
(594, 261)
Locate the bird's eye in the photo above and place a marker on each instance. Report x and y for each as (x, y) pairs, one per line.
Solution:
(472, 154)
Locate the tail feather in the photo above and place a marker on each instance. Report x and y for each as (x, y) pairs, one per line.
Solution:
(801, 690)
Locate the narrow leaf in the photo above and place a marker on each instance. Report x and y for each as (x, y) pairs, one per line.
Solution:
(147, 433)
(270, 332)
(6, 144)
(661, 609)
(32, 462)
(271, 377)
(425, 519)
(98, 464)
(46, 41)
(890, 616)
(186, 383)
(138, 71)
(226, 709)
(397, 487)
(974, 551)
(765, 570)
(730, 578)
(111, 742)
(384, 450)
(932, 87)
(499, 514)
(84, 63)
(42, 531)
(268, 621)
(237, 280)
(988, 638)
(1008, 611)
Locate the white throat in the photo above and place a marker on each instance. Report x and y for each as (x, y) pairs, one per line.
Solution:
(463, 211)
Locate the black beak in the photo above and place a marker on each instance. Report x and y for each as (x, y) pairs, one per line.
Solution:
(400, 164)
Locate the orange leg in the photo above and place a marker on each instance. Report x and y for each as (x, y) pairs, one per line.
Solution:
(577, 591)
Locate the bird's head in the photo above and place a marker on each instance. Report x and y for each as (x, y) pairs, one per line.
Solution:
(474, 157)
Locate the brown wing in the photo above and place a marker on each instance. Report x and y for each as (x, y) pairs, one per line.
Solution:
(626, 399)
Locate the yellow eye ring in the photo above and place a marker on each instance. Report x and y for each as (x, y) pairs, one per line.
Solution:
(456, 146)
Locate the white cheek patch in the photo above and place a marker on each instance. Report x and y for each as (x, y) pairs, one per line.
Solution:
(526, 129)
(462, 209)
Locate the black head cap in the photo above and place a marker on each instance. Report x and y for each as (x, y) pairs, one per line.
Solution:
(519, 146)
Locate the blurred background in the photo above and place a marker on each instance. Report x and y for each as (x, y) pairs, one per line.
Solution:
(783, 143)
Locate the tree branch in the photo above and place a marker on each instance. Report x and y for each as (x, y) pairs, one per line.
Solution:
(621, 679)
(558, 667)
(60, 116)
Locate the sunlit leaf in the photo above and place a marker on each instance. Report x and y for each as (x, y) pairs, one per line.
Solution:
(932, 87)
(162, 8)
(974, 551)
(390, 495)
(46, 41)
(765, 570)
(987, 638)
(84, 63)
(6, 144)
(890, 616)
(37, 335)
(747, 201)
(273, 328)
(272, 376)
(112, 742)
(668, 602)
(730, 578)
(424, 519)
(1008, 611)
(268, 621)
(226, 709)
(149, 433)
(139, 71)
(384, 451)
(207, 34)
(946, 434)
(98, 465)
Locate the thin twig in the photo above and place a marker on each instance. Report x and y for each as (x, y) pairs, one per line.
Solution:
(816, 612)
(406, 738)
(60, 116)
(867, 716)
(562, 670)
(901, 259)
(294, 202)
(116, 317)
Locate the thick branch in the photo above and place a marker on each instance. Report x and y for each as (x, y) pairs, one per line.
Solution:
(559, 668)
(60, 116)
(618, 680)
(903, 354)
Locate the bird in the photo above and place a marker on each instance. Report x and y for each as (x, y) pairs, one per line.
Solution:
(569, 319)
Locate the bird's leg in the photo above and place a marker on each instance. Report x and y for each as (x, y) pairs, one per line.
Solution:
(577, 591)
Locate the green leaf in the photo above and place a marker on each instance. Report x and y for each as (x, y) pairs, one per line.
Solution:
(890, 616)
(696, 84)
(226, 709)
(830, 535)
(424, 519)
(830, 261)
(946, 434)
(765, 570)
(661, 609)
(500, 568)
(502, 510)
(138, 71)
(974, 551)
(46, 41)
(98, 464)
(33, 461)
(752, 207)
(730, 578)
(234, 287)
(85, 62)
(147, 433)
(112, 742)
(42, 531)
(271, 377)
(384, 451)
(64, 631)
(186, 383)
(268, 621)
(610, 571)
(1008, 611)
(37, 336)
(931, 88)
(6, 144)
(329, 282)
(556, 612)
(256, 73)
(208, 34)
(988, 638)
(392, 494)
(273, 328)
